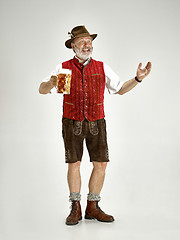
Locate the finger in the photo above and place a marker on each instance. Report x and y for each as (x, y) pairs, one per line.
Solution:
(140, 65)
(149, 68)
(55, 82)
(148, 65)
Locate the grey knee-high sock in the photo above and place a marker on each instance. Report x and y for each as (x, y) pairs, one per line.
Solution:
(75, 196)
(93, 197)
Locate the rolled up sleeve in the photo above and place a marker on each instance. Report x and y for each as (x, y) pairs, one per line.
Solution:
(113, 82)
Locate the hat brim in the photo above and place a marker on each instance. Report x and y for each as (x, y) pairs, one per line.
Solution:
(68, 42)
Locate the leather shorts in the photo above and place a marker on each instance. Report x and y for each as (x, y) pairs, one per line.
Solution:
(94, 133)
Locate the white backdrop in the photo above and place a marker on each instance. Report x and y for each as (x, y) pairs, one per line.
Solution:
(141, 188)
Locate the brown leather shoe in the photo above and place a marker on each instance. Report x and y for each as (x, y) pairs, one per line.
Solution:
(93, 211)
(75, 214)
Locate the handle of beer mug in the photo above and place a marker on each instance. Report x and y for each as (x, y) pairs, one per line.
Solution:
(56, 81)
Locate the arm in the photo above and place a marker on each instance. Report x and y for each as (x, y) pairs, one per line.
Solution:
(127, 86)
(141, 74)
(50, 81)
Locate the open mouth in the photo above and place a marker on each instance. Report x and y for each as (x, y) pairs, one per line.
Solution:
(85, 50)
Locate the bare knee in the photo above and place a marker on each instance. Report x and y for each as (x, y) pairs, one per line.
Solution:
(101, 166)
(74, 166)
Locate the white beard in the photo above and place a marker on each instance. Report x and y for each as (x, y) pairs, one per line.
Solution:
(83, 56)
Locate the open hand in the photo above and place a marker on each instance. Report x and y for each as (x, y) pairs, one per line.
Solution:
(142, 73)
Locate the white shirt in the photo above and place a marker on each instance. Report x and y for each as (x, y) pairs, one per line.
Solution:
(113, 82)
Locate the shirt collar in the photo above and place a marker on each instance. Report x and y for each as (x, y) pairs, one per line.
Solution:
(86, 62)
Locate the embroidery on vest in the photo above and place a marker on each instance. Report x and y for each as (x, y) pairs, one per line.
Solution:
(69, 103)
(95, 74)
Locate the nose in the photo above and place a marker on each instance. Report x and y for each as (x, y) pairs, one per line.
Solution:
(85, 44)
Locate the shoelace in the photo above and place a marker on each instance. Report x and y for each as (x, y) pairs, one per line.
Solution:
(73, 207)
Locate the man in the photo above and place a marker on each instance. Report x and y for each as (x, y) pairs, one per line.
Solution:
(83, 118)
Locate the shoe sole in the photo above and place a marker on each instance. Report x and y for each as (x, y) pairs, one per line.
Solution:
(91, 218)
(72, 223)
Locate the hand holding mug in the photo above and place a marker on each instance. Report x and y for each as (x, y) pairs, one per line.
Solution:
(53, 81)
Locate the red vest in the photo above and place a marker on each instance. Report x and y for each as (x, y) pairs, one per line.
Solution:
(86, 98)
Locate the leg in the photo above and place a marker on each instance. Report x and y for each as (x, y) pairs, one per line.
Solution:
(98, 151)
(73, 142)
(96, 142)
(93, 211)
(74, 183)
(97, 177)
(74, 177)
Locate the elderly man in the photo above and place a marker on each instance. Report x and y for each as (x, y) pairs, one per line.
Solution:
(83, 119)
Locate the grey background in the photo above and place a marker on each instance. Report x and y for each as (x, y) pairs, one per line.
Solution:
(141, 187)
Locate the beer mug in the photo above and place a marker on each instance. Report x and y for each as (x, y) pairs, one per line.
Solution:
(64, 81)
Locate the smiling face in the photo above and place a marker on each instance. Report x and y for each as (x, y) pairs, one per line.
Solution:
(82, 47)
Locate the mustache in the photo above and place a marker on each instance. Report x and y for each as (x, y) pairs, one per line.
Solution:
(84, 48)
